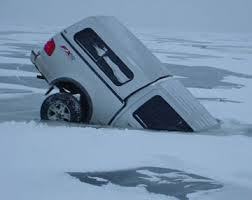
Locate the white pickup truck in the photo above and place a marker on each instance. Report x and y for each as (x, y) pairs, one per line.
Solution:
(106, 76)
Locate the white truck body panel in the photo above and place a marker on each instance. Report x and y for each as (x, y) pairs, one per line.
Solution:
(117, 104)
(185, 104)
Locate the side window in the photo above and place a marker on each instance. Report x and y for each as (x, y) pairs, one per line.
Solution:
(157, 114)
(104, 57)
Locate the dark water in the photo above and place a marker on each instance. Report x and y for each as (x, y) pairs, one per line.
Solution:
(155, 180)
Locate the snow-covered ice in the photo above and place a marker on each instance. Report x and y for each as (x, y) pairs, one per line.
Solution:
(36, 157)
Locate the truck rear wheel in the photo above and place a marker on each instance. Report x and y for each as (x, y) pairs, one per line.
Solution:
(61, 107)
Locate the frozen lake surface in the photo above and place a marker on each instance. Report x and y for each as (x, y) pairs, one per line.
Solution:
(38, 158)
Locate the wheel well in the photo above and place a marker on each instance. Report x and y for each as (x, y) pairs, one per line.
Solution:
(69, 87)
(73, 87)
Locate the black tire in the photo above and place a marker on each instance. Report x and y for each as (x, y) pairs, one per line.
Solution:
(70, 104)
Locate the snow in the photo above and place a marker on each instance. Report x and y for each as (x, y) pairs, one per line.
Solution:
(35, 156)
(225, 51)
(21, 87)
(39, 155)
(13, 95)
(241, 111)
(14, 60)
(6, 72)
(177, 175)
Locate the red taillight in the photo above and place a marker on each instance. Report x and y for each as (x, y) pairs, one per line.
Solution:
(49, 47)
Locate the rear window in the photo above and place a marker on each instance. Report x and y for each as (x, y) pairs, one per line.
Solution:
(104, 57)
(157, 114)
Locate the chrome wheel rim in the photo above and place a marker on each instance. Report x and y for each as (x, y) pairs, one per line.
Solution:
(58, 111)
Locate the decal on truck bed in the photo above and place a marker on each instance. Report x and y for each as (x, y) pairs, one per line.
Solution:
(68, 52)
